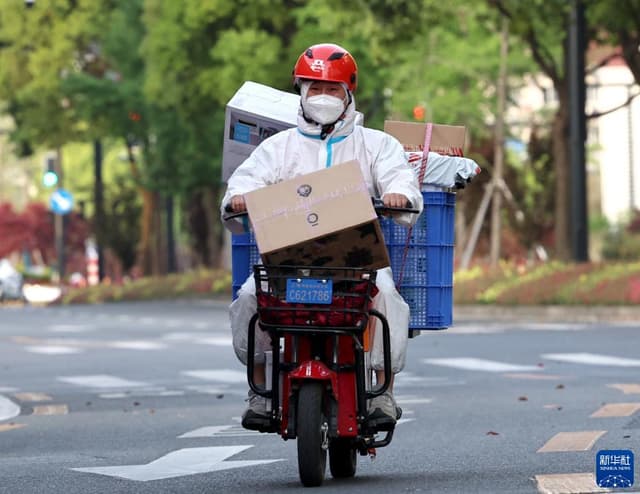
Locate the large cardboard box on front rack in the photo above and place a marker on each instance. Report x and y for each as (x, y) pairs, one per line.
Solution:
(253, 114)
(323, 218)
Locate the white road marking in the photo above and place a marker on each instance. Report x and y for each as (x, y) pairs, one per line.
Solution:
(220, 431)
(480, 364)
(101, 381)
(179, 463)
(172, 323)
(220, 375)
(216, 341)
(141, 392)
(137, 345)
(411, 399)
(406, 379)
(69, 328)
(198, 338)
(7, 389)
(501, 327)
(592, 359)
(404, 421)
(8, 409)
(53, 349)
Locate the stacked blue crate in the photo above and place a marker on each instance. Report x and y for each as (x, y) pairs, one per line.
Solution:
(244, 254)
(427, 278)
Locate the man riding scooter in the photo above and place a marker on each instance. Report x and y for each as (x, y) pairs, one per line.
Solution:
(326, 77)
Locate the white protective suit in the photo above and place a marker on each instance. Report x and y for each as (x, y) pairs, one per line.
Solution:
(298, 151)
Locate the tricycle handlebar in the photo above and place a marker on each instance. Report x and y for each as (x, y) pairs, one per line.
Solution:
(378, 205)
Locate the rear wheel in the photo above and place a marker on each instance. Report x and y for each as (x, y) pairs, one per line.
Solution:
(342, 458)
(312, 429)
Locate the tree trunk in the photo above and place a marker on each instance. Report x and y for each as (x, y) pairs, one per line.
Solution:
(146, 259)
(560, 150)
(211, 202)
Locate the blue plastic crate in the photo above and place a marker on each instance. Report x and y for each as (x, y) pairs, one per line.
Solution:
(427, 281)
(427, 278)
(244, 254)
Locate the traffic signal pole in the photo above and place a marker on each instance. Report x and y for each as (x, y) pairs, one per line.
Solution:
(98, 196)
(59, 222)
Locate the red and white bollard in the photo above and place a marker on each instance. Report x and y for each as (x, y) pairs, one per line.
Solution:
(93, 269)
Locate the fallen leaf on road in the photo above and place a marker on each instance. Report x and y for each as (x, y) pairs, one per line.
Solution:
(560, 386)
(523, 398)
(492, 433)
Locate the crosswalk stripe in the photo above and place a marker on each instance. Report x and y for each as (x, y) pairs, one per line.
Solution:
(568, 483)
(592, 359)
(50, 410)
(11, 426)
(480, 364)
(628, 389)
(571, 441)
(524, 375)
(32, 397)
(617, 410)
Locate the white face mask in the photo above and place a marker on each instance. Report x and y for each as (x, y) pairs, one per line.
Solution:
(324, 109)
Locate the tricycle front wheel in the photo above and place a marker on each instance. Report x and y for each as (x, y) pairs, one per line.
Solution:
(312, 429)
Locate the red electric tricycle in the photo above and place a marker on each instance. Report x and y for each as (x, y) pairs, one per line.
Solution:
(318, 381)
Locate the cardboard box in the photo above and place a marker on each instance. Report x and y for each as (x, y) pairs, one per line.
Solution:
(445, 139)
(323, 218)
(254, 113)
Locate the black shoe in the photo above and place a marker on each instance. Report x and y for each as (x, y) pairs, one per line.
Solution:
(256, 422)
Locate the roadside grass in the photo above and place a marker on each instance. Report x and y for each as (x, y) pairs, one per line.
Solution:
(200, 283)
(552, 283)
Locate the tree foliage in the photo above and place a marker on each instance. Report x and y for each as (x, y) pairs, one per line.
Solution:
(155, 76)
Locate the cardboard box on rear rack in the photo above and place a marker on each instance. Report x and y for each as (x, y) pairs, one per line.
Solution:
(445, 139)
(324, 218)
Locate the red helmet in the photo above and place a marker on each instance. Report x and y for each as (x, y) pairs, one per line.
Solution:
(326, 62)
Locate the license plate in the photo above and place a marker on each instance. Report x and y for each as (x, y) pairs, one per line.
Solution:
(309, 291)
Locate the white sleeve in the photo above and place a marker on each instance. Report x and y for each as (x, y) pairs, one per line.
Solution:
(257, 171)
(393, 175)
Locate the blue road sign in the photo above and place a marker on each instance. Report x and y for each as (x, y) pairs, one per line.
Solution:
(61, 202)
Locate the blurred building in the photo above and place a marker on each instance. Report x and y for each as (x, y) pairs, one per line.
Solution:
(613, 147)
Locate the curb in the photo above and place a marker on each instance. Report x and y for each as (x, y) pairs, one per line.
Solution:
(556, 313)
